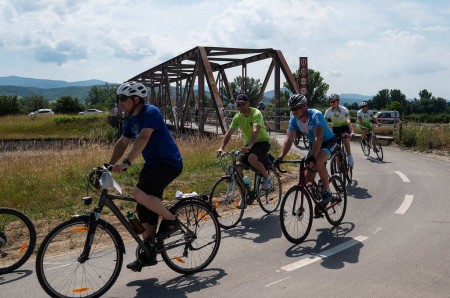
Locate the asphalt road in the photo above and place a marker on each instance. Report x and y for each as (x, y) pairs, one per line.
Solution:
(393, 242)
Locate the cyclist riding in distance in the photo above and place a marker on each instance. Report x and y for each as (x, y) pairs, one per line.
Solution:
(364, 116)
(311, 123)
(341, 124)
(257, 145)
(261, 106)
(148, 135)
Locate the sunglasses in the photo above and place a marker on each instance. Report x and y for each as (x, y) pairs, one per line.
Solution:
(295, 109)
(124, 98)
(240, 105)
(332, 101)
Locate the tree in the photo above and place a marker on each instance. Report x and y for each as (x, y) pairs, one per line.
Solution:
(317, 88)
(249, 86)
(34, 103)
(68, 105)
(9, 105)
(101, 97)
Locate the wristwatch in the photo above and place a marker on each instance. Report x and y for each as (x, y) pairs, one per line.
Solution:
(126, 161)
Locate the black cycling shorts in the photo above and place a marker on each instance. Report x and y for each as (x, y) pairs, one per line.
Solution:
(329, 146)
(153, 179)
(339, 131)
(260, 149)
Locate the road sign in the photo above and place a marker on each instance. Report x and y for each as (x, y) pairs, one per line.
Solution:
(303, 80)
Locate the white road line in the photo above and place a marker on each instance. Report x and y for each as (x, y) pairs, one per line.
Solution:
(275, 282)
(405, 205)
(377, 230)
(404, 178)
(324, 254)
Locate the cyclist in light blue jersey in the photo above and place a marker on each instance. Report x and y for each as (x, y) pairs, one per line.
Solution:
(312, 123)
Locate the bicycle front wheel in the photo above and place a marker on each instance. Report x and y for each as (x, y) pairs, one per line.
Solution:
(377, 148)
(296, 215)
(59, 269)
(228, 197)
(336, 165)
(338, 205)
(365, 148)
(195, 248)
(17, 239)
(305, 141)
(269, 200)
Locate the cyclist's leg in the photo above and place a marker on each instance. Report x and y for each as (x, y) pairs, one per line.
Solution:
(258, 154)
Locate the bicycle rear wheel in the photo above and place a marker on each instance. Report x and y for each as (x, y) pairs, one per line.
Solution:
(336, 165)
(296, 215)
(338, 205)
(59, 270)
(270, 200)
(377, 148)
(200, 238)
(227, 196)
(17, 239)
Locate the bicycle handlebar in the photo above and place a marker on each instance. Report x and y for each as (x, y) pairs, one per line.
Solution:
(295, 161)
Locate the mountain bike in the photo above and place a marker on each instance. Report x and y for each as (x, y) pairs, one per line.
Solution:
(296, 212)
(301, 137)
(339, 161)
(230, 195)
(371, 141)
(17, 239)
(83, 256)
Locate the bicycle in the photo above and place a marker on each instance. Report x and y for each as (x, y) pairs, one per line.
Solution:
(296, 213)
(371, 141)
(301, 137)
(93, 248)
(17, 239)
(230, 195)
(339, 161)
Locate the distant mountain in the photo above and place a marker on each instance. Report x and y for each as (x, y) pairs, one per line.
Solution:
(45, 84)
(349, 98)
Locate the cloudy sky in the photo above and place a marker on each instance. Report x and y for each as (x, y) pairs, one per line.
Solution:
(357, 46)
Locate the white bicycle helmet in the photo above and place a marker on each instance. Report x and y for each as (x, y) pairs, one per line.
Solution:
(297, 100)
(334, 96)
(132, 89)
(362, 104)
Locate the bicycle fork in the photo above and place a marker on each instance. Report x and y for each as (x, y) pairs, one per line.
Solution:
(92, 227)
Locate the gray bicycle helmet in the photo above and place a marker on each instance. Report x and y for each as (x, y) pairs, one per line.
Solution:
(334, 96)
(362, 104)
(132, 89)
(297, 100)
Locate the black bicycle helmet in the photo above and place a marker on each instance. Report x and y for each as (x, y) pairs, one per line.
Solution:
(334, 96)
(297, 100)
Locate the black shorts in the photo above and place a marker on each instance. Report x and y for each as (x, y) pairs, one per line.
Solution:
(329, 146)
(339, 131)
(153, 180)
(260, 149)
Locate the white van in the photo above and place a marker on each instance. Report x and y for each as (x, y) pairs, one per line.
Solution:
(388, 116)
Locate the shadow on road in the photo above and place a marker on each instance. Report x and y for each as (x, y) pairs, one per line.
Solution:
(259, 230)
(180, 286)
(357, 192)
(14, 276)
(326, 240)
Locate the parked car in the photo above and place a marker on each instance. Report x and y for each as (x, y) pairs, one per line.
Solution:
(91, 112)
(40, 113)
(388, 116)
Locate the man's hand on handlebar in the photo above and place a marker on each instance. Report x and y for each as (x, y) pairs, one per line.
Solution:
(310, 161)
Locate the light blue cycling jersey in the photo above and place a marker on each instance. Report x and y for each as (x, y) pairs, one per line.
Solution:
(315, 119)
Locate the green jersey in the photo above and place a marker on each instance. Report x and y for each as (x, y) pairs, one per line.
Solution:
(246, 125)
(338, 116)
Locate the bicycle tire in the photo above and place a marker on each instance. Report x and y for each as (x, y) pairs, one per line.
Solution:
(267, 129)
(365, 148)
(18, 239)
(270, 201)
(296, 226)
(198, 253)
(338, 205)
(229, 205)
(305, 142)
(63, 275)
(379, 148)
(336, 165)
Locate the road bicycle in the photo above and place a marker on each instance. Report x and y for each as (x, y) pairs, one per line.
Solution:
(339, 161)
(230, 195)
(371, 141)
(83, 256)
(17, 239)
(296, 212)
(300, 137)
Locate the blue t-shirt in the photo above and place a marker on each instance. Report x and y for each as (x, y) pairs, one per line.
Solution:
(161, 147)
(315, 119)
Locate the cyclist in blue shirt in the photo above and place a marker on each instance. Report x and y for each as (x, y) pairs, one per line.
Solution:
(311, 123)
(148, 135)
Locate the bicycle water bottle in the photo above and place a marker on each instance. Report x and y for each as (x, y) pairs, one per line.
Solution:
(135, 223)
(247, 182)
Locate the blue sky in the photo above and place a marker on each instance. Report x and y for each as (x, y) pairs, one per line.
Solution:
(357, 46)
